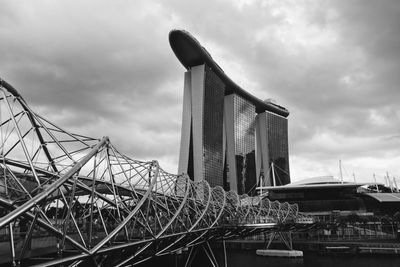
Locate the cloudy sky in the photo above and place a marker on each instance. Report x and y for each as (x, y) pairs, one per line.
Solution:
(106, 68)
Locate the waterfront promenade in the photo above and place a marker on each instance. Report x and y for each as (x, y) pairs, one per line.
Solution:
(248, 257)
(372, 246)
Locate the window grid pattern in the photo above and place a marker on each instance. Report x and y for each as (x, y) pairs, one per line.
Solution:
(244, 127)
(277, 128)
(214, 91)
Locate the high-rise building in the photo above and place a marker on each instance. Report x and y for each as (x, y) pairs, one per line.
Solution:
(201, 153)
(240, 168)
(273, 155)
(229, 137)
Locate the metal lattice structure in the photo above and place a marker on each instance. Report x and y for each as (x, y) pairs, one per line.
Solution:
(77, 200)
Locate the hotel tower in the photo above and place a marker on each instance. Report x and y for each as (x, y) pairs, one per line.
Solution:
(229, 137)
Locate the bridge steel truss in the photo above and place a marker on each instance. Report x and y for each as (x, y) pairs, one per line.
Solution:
(74, 200)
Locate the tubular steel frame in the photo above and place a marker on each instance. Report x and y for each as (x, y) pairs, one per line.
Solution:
(78, 200)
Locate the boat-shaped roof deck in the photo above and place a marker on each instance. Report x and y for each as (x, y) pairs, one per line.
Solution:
(191, 53)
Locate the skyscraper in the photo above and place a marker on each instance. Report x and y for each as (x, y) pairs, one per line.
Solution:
(201, 153)
(240, 116)
(229, 137)
(273, 155)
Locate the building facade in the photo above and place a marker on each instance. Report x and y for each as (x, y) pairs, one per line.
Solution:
(202, 152)
(240, 162)
(273, 155)
(229, 137)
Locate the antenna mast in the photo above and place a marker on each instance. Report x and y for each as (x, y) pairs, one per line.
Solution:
(376, 185)
(340, 171)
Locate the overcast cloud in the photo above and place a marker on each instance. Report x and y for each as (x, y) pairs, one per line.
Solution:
(106, 68)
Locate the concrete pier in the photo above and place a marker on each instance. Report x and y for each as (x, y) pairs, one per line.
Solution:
(279, 253)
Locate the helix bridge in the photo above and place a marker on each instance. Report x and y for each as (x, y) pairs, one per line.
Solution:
(72, 200)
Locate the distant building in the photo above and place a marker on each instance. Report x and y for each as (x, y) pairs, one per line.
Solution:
(229, 137)
(324, 196)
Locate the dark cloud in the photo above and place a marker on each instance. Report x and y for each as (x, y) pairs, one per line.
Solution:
(105, 68)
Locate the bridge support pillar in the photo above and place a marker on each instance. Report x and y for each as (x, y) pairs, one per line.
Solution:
(224, 248)
(12, 245)
(284, 237)
(192, 254)
(208, 252)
